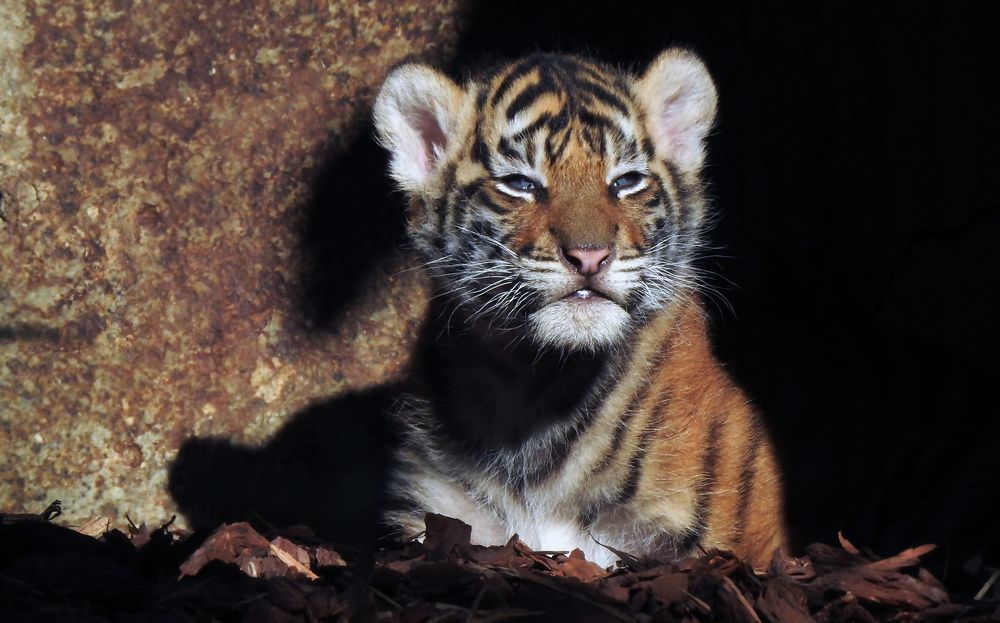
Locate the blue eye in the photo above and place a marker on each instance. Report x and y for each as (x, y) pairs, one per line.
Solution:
(518, 183)
(626, 181)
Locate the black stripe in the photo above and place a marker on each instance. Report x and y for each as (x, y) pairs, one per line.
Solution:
(519, 70)
(457, 210)
(484, 199)
(480, 153)
(560, 121)
(533, 127)
(484, 228)
(747, 473)
(648, 149)
(470, 189)
(618, 438)
(631, 485)
(590, 138)
(528, 97)
(554, 152)
(508, 150)
(448, 175)
(684, 192)
(630, 412)
(709, 467)
(597, 75)
(441, 206)
(596, 120)
(605, 96)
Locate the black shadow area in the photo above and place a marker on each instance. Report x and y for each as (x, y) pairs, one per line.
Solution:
(326, 469)
(352, 219)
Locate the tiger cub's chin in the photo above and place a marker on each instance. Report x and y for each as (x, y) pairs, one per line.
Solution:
(575, 323)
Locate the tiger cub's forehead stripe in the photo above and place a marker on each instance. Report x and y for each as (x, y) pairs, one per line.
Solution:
(518, 70)
(580, 81)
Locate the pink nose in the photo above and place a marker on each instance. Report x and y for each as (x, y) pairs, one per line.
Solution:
(587, 260)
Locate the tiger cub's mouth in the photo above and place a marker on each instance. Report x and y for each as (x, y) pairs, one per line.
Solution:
(586, 294)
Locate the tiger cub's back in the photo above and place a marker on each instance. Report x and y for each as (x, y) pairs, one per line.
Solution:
(565, 387)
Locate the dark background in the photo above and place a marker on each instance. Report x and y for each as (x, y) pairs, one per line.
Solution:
(854, 170)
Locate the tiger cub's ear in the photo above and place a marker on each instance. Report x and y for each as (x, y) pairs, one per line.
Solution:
(417, 115)
(679, 99)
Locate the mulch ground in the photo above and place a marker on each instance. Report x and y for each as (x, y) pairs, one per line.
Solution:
(93, 573)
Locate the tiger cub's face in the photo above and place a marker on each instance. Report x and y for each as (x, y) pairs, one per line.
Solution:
(553, 195)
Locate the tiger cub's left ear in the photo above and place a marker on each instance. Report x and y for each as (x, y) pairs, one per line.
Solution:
(679, 99)
(417, 114)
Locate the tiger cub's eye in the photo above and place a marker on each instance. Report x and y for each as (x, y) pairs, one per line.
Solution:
(627, 181)
(518, 185)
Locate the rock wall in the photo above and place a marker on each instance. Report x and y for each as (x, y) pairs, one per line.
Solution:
(194, 238)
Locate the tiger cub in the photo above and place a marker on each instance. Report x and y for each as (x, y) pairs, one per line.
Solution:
(565, 389)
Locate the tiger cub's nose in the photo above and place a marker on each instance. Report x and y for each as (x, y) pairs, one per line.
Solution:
(588, 260)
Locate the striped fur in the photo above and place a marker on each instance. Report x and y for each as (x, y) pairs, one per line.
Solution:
(566, 403)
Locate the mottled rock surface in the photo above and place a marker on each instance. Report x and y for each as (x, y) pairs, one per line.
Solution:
(164, 170)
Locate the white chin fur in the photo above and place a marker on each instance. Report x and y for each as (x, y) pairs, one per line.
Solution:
(577, 325)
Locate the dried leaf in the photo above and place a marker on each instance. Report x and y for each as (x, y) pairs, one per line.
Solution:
(782, 601)
(292, 559)
(446, 536)
(232, 543)
(847, 545)
(577, 566)
(326, 557)
(669, 588)
(95, 527)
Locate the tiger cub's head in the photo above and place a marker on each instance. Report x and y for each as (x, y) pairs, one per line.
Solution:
(554, 194)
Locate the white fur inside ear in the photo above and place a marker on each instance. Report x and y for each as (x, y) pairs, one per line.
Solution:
(417, 113)
(679, 98)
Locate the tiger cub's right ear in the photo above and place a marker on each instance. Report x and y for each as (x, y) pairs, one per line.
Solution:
(417, 115)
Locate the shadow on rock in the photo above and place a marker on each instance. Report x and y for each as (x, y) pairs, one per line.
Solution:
(326, 469)
(352, 219)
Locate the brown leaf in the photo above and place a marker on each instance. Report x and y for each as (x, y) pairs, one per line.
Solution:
(847, 545)
(297, 552)
(404, 566)
(95, 526)
(616, 592)
(845, 608)
(539, 560)
(782, 601)
(502, 555)
(669, 588)
(827, 558)
(326, 557)
(577, 566)
(230, 543)
(446, 536)
(291, 556)
(906, 558)
(885, 588)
